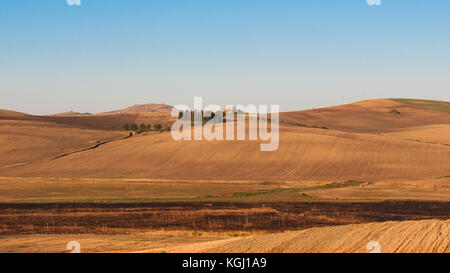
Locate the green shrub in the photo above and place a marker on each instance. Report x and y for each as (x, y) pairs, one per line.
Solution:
(394, 111)
(134, 127)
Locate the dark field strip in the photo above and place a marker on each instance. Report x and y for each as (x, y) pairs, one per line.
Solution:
(58, 218)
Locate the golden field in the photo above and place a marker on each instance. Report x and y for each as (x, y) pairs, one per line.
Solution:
(370, 151)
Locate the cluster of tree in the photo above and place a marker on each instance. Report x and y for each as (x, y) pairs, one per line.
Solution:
(394, 111)
(204, 116)
(141, 128)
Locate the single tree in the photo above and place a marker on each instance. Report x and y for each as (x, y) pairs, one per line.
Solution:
(158, 127)
(134, 127)
(126, 127)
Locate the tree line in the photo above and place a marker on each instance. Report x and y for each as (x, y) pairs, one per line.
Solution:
(206, 116)
(199, 115)
(140, 128)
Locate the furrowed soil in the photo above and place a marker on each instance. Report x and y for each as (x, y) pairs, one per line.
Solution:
(428, 236)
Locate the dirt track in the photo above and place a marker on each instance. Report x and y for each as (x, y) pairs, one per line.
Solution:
(93, 147)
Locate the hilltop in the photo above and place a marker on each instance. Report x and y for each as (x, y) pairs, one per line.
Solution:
(143, 108)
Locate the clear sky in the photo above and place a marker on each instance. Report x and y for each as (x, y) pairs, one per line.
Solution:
(105, 55)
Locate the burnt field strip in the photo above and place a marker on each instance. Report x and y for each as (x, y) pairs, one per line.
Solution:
(111, 218)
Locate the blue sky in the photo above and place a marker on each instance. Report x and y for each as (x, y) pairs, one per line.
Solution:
(105, 55)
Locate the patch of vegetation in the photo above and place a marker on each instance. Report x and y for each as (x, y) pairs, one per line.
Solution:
(441, 106)
(333, 185)
(134, 127)
(307, 126)
(238, 234)
(394, 111)
(74, 191)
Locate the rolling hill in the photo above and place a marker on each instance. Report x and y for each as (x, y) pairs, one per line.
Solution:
(143, 108)
(303, 154)
(368, 116)
(364, 142)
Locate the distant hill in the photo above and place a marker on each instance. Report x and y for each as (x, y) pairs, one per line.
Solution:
(72, 113)
(145, 113)
(8, 114)
(378, 115)
(143, 108)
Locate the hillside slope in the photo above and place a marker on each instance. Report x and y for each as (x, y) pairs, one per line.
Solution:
(8, 114)
(303, 154)
(402, 151)
(368, 116)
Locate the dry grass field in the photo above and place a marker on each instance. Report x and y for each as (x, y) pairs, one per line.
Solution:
(371, 152)
(374, 116)
(428, 236)
(101, 243)
(393, 237)
(83, 190)
(26, 142)
(303, 154)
